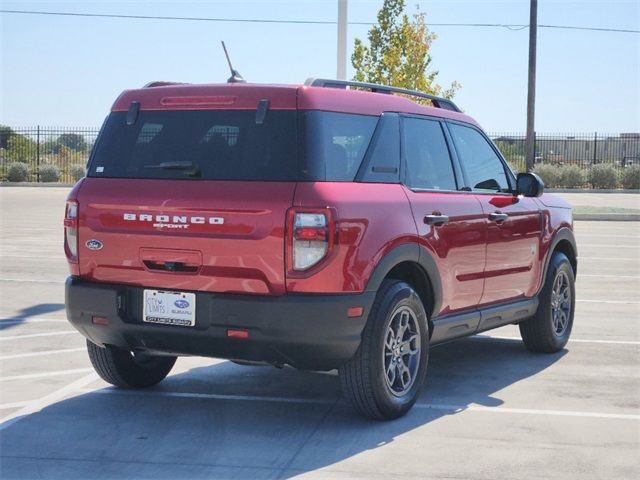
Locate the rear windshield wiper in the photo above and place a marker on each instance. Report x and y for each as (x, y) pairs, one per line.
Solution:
(173, 165)
(189, 167)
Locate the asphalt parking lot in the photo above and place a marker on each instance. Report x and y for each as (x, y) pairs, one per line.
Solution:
(490, 410)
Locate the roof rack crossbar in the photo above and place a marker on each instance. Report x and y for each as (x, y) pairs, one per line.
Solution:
(438, 102)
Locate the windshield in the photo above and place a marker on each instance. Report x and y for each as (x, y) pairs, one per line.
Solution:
(231, 145)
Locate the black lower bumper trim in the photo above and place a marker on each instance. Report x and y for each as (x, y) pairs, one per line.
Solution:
(306, 331)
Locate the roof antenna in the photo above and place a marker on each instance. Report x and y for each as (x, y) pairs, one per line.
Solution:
(235, 76)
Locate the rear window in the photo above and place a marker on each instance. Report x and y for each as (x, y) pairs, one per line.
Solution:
(230, 145)
(203, 144)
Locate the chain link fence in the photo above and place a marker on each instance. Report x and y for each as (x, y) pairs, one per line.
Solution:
(59, 154)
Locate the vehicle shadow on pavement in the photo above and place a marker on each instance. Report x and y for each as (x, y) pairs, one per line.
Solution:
(28, 312)
(194, 425)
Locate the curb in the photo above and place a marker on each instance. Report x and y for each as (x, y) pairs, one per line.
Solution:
(608, 217)
(36, 184)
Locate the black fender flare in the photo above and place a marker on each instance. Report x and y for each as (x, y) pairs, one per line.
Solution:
(411, 252)
(564, 233)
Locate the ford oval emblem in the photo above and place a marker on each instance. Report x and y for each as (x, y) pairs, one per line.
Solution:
(181, 303)
(94, 244)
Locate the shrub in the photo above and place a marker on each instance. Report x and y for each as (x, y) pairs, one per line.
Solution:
(550, 175)
(517, 164)
(77, 171)
(18, 172)
(631, 177)
(49, 173)
(603, 176)
(572, 176)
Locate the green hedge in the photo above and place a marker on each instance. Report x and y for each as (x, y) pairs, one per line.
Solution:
(602, 175)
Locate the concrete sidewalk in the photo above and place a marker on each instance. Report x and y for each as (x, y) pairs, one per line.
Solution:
(603, 206)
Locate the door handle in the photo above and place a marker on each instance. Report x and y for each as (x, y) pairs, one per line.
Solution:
(498, 217)
(436, 219)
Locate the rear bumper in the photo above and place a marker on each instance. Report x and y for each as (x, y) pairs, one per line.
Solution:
(306, 331)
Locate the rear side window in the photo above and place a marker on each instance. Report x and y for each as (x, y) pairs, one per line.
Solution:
(335, 144)
(203, 144)
(483, 168)
(427, 158)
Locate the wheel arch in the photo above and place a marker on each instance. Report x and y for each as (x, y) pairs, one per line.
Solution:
(564, 242)
(414, 265)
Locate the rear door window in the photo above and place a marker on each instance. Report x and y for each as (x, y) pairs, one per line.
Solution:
(427, 159)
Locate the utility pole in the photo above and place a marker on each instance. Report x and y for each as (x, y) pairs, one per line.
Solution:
(342, 40)
(530, 150)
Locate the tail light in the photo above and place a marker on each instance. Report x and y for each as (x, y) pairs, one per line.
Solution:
(310, 237)
(71, 231)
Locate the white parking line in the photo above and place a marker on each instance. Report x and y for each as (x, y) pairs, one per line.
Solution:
(43, 353)
(29, 280)
(32, 320)
(607, 275)
(46, 374)
(34, 335)
(210, 396)
(47, 400)
(580, 259)
(528, 411)
(45, 257)
(571, 340)
(623, 302)
(5, 406)
(454, 408)
(597, 245)
(583, 236)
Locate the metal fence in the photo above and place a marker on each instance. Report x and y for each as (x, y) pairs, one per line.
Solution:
(60, 154)
(581, 149)
(51, 154)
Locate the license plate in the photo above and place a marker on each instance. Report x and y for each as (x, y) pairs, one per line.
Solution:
(169, 308)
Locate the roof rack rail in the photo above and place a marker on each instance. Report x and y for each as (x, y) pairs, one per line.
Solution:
(438, 102)
(162, 83)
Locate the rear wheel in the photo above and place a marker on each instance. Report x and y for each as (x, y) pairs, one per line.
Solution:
(548, 331)
(383, 379)
(127, 369)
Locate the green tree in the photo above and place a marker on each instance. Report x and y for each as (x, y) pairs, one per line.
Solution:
(20, 148)
(5, 134)
(398, 52)
(71, 141)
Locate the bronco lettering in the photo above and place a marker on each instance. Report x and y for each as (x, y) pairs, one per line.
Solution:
(175, 219)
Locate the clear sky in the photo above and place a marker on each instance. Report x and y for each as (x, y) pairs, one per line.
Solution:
(66, 71)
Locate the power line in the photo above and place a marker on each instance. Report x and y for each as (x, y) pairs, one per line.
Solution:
(306, 22)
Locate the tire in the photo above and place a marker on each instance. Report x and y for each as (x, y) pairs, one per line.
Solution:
(548, 331)
(366, 379)
(126, 369)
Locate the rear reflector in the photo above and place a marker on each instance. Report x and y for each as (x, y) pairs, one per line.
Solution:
(237, 333)
(100, 320)
(355, 312)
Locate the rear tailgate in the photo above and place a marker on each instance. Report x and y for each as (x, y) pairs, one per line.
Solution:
(218, 236)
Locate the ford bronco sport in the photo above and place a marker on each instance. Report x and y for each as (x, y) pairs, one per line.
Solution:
(331, 225)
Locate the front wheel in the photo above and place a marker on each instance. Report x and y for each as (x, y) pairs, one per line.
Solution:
(548, 331)
(383, 379)
(127, 369)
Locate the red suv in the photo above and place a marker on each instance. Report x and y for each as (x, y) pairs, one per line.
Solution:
(331, 225)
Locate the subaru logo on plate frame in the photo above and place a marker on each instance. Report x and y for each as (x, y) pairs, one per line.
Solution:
(94, 244)
(181, 303)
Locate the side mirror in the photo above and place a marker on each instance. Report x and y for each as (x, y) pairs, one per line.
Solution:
(529, 185)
